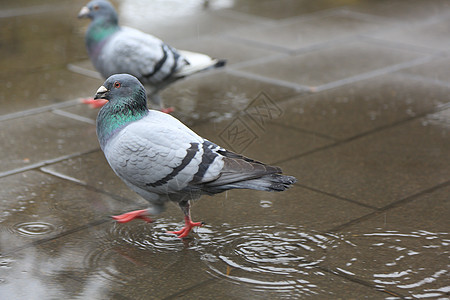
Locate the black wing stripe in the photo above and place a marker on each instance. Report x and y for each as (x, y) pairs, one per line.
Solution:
(207, 159)
(186, 160)
(160, 63)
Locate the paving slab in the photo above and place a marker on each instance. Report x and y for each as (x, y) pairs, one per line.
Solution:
(406, 12)
(44, 40)
(307, 32)
(393, 250)
(384, 167)
(45, 207)
(218, 94)
(364, 106)
(282, 9)
(23, 92)
(43, 137)
(368, 144)
(430, 35)
(334, 63)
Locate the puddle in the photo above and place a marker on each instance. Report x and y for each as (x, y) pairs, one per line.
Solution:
(280, 258)
(127, 251)
(34, 228)
(414, 264)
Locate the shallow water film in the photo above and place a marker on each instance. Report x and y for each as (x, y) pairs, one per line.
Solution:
(350, 97)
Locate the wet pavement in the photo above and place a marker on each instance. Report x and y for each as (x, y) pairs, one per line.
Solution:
(351, 97)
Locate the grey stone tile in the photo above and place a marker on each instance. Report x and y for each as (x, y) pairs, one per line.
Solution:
(436, 71)
(331, 64)
(40, 137)
(298, 207)
(36, 89)
(432, 35)
(403, 11)
(217, 94)
(40, 41)
(82, 110)
(308, 32)
(45, 5)
(363, 106)
(323, 285)
(404, 249)
(44, 207)
(380, 168)
(93, 169)
(101, 262)
(281, 9)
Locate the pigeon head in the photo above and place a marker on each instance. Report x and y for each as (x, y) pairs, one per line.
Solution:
(123, 90)
(99, 9)
(127, 103)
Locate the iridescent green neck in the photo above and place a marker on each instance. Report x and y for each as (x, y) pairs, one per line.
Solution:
(99, 30)
(113, 117)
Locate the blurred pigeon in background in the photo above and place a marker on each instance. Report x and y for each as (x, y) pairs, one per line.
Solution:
(114, 49)
(163, 160)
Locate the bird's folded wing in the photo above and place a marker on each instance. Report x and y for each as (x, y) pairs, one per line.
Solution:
(142, 55)
(155, 156)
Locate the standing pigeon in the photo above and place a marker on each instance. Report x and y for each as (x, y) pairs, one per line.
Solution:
(114, 49)
(161, 159)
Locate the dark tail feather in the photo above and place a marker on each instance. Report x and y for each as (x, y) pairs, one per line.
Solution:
(220, 63)
(270, 183)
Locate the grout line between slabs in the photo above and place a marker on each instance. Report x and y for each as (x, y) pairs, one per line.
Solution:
(279, 82)
(335, 196)
(359, 281)
(45, 163)
(57, 236)
(38, 110)
(374, 73)
(362, 135)
(392, 205)
(74, 116)
(185, 291)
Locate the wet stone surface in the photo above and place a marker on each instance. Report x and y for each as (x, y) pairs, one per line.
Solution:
(350, 97)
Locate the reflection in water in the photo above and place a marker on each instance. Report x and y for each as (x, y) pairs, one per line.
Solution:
(280, 258)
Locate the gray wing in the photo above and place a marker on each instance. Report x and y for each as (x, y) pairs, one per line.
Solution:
(142, 55)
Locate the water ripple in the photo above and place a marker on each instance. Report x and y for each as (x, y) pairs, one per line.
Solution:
(34, 228)
(280, 258)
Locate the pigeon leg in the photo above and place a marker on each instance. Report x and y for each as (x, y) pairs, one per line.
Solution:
(94, 103)
(136, 214)
(184, 232)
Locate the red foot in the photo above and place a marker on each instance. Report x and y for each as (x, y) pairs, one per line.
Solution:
(137, 214)
(94, 103)
(184, 232)
(167, 110)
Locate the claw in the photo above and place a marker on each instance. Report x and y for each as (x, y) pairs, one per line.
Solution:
(137, 214)
(184, 232)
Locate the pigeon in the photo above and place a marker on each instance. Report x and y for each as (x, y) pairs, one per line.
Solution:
(163, 160)
(118, 49)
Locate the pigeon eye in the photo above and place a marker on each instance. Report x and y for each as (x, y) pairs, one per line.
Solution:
(96, 7)
(117, 84)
